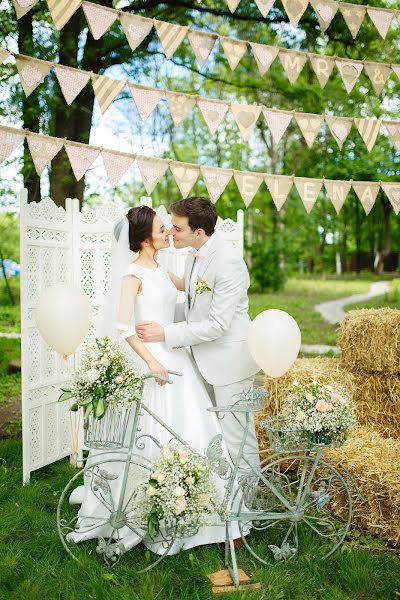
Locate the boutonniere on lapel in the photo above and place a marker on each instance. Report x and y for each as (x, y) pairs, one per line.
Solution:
(201, 286)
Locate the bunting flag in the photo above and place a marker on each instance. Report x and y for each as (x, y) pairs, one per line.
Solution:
(72, 81)
(323, 66)
(264, 55)
(10, 139)
(392, 191)
(232, 5)
(295, 9)
(245, 117)
(171, 36)
(145, 99)
(31, 73)
(202, 45)
(4, 54)
(116, 165)
(367, 193)
(135, 29)
(279, 187)
(106, 90)
(151, 171)
(213, 113)
(234, 50)
(293, 63)
(396, 69)
(309, 125)
(340, 128)
(23, 6)
(394, 132)
(308, 191)
(350, 72)
(216, 181)
(368, 129)
(99, 19)
(337, 191)
(378, 74)
(248, 184)
(43, 149)
(325, 11)
(278, 122)
(180, 105)
(81, 157)
(264, 6)
(353, 14)
(62, 10)
(381, 18)
(185, 176)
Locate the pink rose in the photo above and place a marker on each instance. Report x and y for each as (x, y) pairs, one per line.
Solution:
(204, 499)
(322, 406)
(335, 396)
(183, 456)
(181, 504)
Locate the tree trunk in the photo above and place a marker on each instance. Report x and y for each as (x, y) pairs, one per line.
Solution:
(386, 236)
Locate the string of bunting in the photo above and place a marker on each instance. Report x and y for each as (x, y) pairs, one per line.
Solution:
(44, 148)
(32, 71)
(136, 28)
(325, 10)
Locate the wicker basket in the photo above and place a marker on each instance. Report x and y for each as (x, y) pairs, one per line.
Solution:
(286, 438)
(109, 432)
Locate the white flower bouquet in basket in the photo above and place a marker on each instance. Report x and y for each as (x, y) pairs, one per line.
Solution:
(180, 491)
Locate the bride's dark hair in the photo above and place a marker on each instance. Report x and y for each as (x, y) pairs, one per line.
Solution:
(140, 221)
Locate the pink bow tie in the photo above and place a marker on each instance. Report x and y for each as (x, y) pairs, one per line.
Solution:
(196, 254)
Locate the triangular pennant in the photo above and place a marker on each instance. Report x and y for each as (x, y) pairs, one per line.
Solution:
(31, 73)
(180, 105)
(43, 149)
(4, 54)
(350, 72)
(337, 191)
(185, 176)
(367, 193)
(145, 99)
(71, 81)
(340, 128)
(151, 171)
(23, 6)
(325, 11)
(81, 158)
(234, 50)
(264, 6)
(396, 69)
(213, 113)
(323, 66)
(171, 36)
(308, 190)
(216, 181)
(368, 129)
(116, 165)
(106, 90)
(202, 44)
(245, 117)
(353, 14)
(62, 10)
(392, 191)
(264, 55)
(98, 18)
(295, 9)
(378, 74)
(232, 5)
(293, 63)
(9, 141)
(278, 121)
(136, 29)
(381, 18)
(393, 129)
(279, 187)
(309, 125)
(248, 184)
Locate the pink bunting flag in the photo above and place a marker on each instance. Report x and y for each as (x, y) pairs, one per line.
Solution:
(43, 149)
(9, 141)
(264, 55)
(350, 72)
(145, 99)
(116, 165)
(185, 176)
(246, 117)
(293, 63)
(98, 18)
(81, 158)
(381, 18)
(233, 49)
(213, 113)
(31, 72)
(71, 81)
(136, 28)
(151, 171)
(180, 105)
(202, 44)
(323, 66)
(278, 121)
(216, 181)
(340, 128)
(264, 6)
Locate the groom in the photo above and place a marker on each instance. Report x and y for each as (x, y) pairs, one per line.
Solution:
(215, 320)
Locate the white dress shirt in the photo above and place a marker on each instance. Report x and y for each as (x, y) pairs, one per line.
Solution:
(198, 263)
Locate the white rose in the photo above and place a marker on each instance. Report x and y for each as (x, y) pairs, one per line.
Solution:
(189, 480)
(104, 361)
(119, 379)
(151, 491)
(179, 491)
(93, 374)
(166, 453)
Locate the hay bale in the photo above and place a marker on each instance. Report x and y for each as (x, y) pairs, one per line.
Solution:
(370, 341)
(374, 462)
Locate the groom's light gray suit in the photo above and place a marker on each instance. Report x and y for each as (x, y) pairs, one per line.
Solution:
(215, 325)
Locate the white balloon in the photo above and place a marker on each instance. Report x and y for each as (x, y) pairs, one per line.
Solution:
(63, 316)
(274, 340)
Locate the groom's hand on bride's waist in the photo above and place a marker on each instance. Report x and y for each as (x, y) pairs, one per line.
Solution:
(150, 331)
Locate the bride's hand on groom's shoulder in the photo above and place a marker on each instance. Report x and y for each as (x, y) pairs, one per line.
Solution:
(157, 368)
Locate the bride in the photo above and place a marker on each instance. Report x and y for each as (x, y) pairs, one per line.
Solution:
(142, 290)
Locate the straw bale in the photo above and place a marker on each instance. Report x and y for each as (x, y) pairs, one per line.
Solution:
(374, 463)
(370, 341)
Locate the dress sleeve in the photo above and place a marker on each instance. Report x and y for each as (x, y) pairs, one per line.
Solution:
(125, 317)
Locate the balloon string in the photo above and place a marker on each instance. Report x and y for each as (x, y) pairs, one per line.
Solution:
(273, 385)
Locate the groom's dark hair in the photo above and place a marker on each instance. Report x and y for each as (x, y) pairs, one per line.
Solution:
(200, 212)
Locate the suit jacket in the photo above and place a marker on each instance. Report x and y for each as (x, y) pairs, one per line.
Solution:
(216, 322)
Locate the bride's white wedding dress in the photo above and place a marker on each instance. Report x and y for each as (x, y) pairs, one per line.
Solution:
(182, 405)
